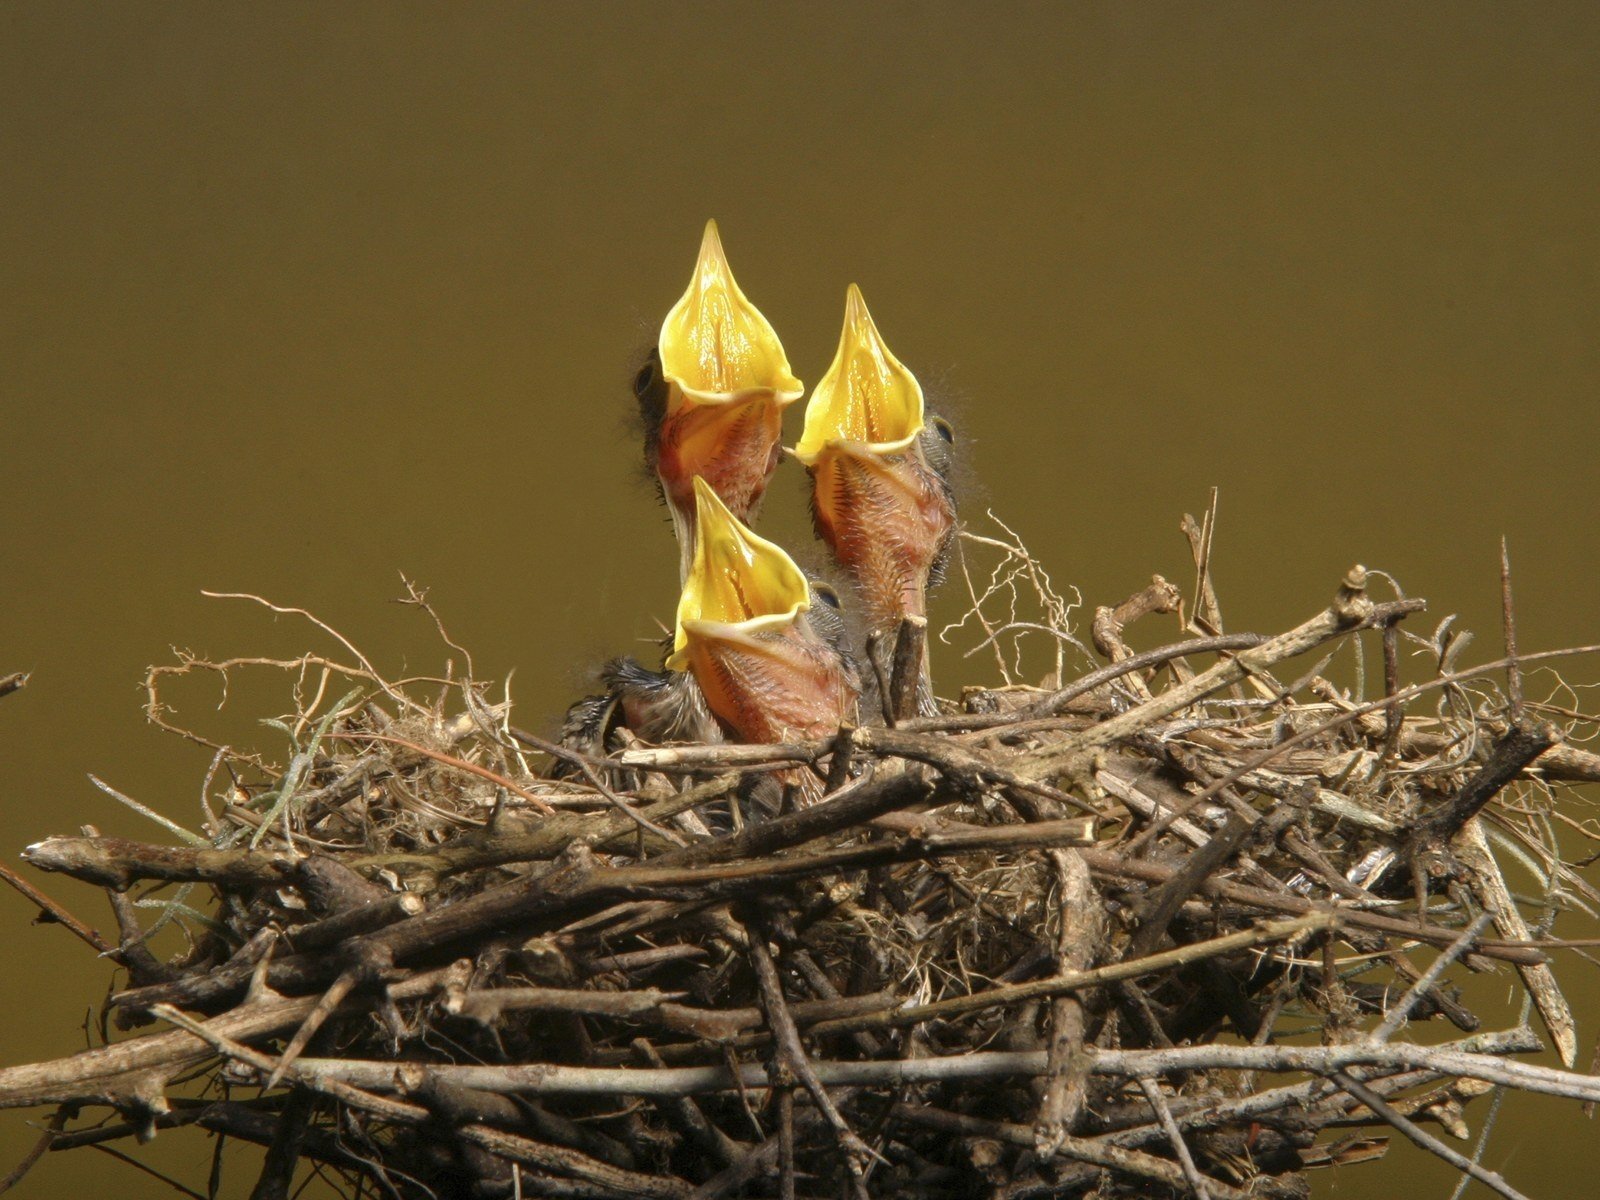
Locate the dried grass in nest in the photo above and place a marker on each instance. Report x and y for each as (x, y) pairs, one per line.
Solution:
(1153, 932)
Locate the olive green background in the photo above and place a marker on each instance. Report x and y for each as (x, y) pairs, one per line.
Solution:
(300, 296)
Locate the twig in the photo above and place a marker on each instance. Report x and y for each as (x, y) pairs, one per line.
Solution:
(1158, 1102)
(1396, 1016)
(793, 1065)
(1423, 1138)
(1081, 926)
(1508, 619)
(1513, 751)
(520, 1149)
(906, 675)
(51, 911)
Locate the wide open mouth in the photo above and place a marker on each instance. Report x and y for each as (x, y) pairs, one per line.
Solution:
(867, 397)
(738, 585)
(715, 345)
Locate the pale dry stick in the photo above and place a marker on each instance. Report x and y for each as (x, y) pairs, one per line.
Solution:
(118, 863)
(1473, 851)
(1397, 1015)
(1057, 700)
(1486, 1129)
(1207, 615)
(450, 760)
(1096, 1151)
(551, 1079)
(1067, 982)
(1158, 596)
(327, 1004)
(524, 1150)
(1351, 611)
(130, 1073)
(582, 883)
(875, 655)
(1257, 761)
(909, 657)
(1490, 1179)
(1508, 619)
(592, 776)
(889, 1015)
(1121, 866)
(1080, 929)
(783, 754)
(1158, 1102)
(793, 1065)
(1297, 1096)
(487, 1005)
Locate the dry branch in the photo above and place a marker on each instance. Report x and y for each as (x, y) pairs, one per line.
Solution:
(998, 955)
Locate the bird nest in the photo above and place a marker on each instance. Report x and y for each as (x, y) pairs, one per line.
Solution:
(1166, 925)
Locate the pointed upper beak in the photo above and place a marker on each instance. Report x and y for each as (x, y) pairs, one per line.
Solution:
(724, 382)
(884, 510)
(715, 345)
(739, 584)
(868, 398)
(743, 633)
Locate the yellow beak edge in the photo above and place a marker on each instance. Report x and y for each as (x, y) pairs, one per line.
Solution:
(867, 397)
(715, 345)
(739, 584)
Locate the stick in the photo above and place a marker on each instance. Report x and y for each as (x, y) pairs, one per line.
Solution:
(1512, 751)
(549, 1079)
(906, 670)
(1082, 927)
(519, 1149)
(52, 911)
(792, 1063)
(1397, 1015)
(1423, 1138)
(1158, 1102)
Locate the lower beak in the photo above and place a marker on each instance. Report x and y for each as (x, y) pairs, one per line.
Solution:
(772, 686)
(733, 445)
(744, 634)
(888, 519)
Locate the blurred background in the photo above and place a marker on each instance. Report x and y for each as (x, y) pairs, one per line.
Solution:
(300, 297)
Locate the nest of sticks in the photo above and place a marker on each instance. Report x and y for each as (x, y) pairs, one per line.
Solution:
(1176, 925)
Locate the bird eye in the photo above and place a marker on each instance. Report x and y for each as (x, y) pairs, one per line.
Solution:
(826, 594)
(644, 382)
(942, 427)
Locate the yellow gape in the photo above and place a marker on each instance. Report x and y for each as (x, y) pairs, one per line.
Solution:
(715, 345)
(739, 584)
(867, 397)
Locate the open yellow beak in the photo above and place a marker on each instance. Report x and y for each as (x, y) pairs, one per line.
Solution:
(868, 397)
(715, 345)
(738, 585)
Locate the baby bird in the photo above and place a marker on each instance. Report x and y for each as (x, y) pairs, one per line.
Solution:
(770, 665)
(881, 497)
(712, 395)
